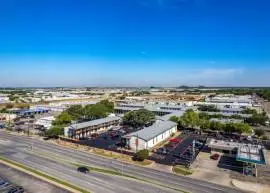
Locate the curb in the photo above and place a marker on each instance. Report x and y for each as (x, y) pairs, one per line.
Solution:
(39, 177)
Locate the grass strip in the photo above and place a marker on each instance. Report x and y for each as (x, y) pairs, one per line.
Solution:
(181, 170)
(117, 173)
(112, 172)
(44, 175)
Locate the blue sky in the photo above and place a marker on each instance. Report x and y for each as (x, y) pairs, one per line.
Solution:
(134, 42)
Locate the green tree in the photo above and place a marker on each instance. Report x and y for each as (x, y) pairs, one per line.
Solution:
(216, 126)
(3, 110)
(174, 119)
(96, 111)
(13, 97)
(76, 111)
(55, 131)
(63, 119)
(189, 119)
(108, 104)
(229, 128)
(259, 132)
(242, 128)
(141, 155)
(257, 119)
(209, 108)
(139, 118)
(249, 111)
(204, 124)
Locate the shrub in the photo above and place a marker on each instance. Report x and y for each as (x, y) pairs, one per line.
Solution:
(259, 132)
(141, 155)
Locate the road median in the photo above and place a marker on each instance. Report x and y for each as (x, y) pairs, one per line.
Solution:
(42, 176)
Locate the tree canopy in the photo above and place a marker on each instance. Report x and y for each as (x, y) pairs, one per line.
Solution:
(76, 111)
(90, 112)
(209, 108)
(96, 111)
(109, 105)
(139, 118)
(55, 131)
(141, 155)
(63, 119)
(191, 119)
(256, 118)
(259, 132)
(174, 119)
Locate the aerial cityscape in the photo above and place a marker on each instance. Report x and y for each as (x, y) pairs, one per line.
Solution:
(148, 96)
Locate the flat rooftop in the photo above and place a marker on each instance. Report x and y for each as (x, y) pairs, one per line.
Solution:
(227, 114)
(222, 145)
(251, 154)
(227, 120)
(245, 152)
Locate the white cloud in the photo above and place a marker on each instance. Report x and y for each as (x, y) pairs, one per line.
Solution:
(219, 73)
(207, 76)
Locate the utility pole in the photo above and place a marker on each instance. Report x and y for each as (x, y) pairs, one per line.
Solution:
(8, 120)
(28, 126)
(137, 141)
(122, 161)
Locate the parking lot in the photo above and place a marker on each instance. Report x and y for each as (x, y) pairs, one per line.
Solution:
(109, 140)
(179, 150)
(225, 168)
(11, 178)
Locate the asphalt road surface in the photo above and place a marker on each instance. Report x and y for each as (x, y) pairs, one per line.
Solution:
(28, 182)
(17, 149)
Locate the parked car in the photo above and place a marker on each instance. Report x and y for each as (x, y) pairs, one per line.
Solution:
(16, 189)
(162, 151)
(4, 184)
(83, 169)
(175, 140)
(214, 156)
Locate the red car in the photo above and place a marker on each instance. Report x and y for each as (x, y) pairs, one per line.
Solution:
(215, 156)
(175, 140)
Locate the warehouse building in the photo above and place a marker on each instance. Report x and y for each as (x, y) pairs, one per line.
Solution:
(250, 155)
(29, 112)
(45, 122)
(157, 109)
(226, 121)
(241, 151)
(86, 129)
(148, 137)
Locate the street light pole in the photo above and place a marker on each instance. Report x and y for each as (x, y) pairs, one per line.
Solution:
(28, 126)
(122, 161)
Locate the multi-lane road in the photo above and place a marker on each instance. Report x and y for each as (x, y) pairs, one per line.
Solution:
(55, 160)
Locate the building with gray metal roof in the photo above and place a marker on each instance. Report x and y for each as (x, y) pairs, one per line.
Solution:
(85, 129)
(148, 137)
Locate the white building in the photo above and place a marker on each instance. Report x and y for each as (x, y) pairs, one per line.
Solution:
(148, 137)
(4, 99)
(46, 122)
(7, 116)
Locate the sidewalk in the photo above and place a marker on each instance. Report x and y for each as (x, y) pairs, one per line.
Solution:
(251, 187)
(160, 167)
